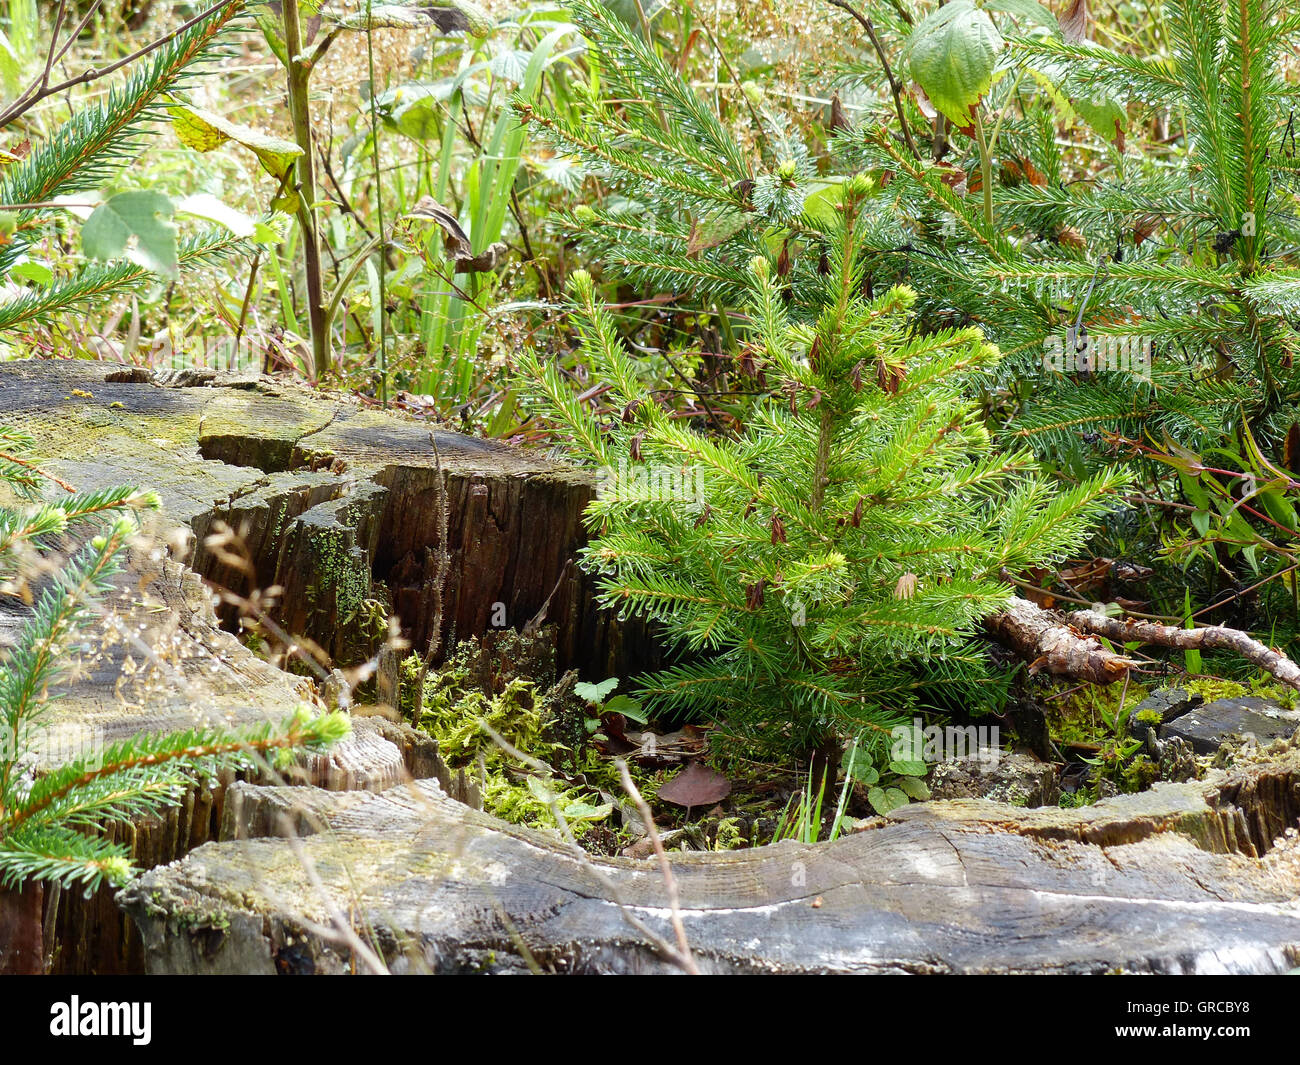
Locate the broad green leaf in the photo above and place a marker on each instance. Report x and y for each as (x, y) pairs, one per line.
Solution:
(136, 226)
(540, 791)
(1104, 114)
(28, 270)
(627, 706)
(595, 693)
(885, 799)
(1194, 490)
(1027, 10)
(857, 763)
(585, 811)
(420, 120)
(1201, 522)
(914, 788)
(269, 22)
(209, 207)
(951, 55)
(11, 67)
(265, 234)
(203, 131)
(1279, 508)
(909, 768)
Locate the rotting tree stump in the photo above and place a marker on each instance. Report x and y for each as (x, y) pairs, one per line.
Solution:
(337, 505)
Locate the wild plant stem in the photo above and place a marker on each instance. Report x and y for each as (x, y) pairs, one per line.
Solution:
(299, 73)
(986, 169)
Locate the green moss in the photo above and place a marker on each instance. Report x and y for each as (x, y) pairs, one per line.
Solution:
(1211, 688)
(1260, 686)
(729, 836)
(1080, 717)
(1138, 774)
(340, 570)
(464, 696)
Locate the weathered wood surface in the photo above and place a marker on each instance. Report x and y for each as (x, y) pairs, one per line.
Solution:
(337, 504)
(1161, 882)
(181, 671)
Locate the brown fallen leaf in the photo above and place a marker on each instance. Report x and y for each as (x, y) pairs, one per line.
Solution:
(696, 785)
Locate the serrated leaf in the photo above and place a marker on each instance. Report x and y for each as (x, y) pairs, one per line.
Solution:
(204, 130)
(1029, 10)
(27, 270)
(951, 55)
(136, 226)
(595, 693)
(264, 234)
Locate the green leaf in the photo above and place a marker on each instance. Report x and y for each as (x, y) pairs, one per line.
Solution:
(28, 270)
(1194, 490)
(883, 800)
(951, 55)
(585, 811)
(627, 706)
(212, 209)
(858, 764)
(136, 226)
(1028, 10)
(1201, 522)
(269, 22)
(909, 768)
(595, 693)
(386, 17)
(914, 788)
(1277, 507)
(204, 130)
(1103, 113)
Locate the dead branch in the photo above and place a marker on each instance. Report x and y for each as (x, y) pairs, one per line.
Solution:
(1066, 645)
(1050, 645)
(1210, 638)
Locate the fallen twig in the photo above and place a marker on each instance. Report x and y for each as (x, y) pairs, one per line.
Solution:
(1067, 646)
(1209, 638)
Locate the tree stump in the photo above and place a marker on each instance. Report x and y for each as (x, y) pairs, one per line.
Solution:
(339, 506)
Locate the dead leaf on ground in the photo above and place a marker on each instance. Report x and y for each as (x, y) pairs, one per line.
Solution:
(696, 785)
